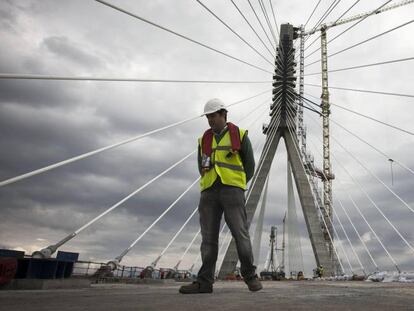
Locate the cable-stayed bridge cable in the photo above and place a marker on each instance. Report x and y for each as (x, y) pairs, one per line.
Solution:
(233, 31)
(373, 147)
(355, 3)
(91, 153)
(320, 208)
(325, 15)
(359, 211)
(314, 9)
(187, 249)
(375, 234)
(174, 237)
(260, 115)
(119, 258)
(362, 115)
(251, 27)
(368, 117)
(362, 241)
(333, 226)
(363, 66)
(198, 257)
(265, 150)
(372, 174)
(373, 119)
(323, 218)
(312, 43)
(179, 35)
(295, 95)
(359, 16)
(54, 247)
(378, 179)
(364, 41)
(294, 244)
(46, 252)
(349, 241)
(117, 79)
(274, 18)
(261, 25)
(370, 145)
(352, 26)
(266, 16)
(291, 122)
(359, 236)
(369, 197)
(257, 238)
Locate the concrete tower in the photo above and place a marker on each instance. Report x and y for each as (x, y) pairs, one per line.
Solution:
(283, 125)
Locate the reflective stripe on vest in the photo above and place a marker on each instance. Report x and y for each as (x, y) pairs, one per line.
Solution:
(230, 169)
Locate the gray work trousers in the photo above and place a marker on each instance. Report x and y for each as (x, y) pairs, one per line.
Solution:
(213, 202)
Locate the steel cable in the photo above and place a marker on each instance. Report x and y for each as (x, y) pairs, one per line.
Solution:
(266, 17)
(323, 219)
(261, 25)
(363, 66)
(91, 153)
(330, 220)
(364, 41)
(274, 18)
(350, 27)
(251, 27)
(233, 31)
(179, 35)
(369, 197)
(115, 79)
(373, 119)
(366, 248)
(119, 258)
(314, 9)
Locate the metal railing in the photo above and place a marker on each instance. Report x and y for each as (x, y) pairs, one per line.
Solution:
(101, 271)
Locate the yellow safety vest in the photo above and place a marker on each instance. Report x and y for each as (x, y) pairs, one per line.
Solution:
(230, 169)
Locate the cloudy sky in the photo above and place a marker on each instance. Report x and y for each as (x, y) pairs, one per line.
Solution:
(43, 122)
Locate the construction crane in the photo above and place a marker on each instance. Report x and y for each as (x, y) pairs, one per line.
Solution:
(326, 174)
(356, 17)
(271, 271)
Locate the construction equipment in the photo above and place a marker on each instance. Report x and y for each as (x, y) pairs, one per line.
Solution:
(271, 270)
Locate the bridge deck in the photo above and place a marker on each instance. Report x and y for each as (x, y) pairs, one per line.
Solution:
(288, 295)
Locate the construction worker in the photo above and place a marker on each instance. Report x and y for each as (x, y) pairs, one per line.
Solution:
(226, 164)
(321, 271)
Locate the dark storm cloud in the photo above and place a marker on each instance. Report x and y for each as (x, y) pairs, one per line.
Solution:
(60, 120)
(65, 49)
(42, 122)
(38, 94)
(7, 17)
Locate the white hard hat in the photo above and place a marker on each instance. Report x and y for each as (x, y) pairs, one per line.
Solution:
(214, 105)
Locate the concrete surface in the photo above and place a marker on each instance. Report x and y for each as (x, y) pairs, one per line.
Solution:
(33, 284)
(286, 295)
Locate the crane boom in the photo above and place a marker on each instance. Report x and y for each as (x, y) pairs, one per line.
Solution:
(358, 16)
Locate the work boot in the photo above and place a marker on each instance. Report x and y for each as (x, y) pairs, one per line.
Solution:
(253, 283)
(196, 288)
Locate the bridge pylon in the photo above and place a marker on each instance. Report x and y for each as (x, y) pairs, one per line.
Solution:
(283, 125)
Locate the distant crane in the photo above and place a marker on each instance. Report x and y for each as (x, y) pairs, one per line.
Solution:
(271, 269)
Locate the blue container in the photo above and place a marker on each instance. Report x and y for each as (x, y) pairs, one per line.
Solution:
(67, 256)
(11, 253)
(42, 268)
